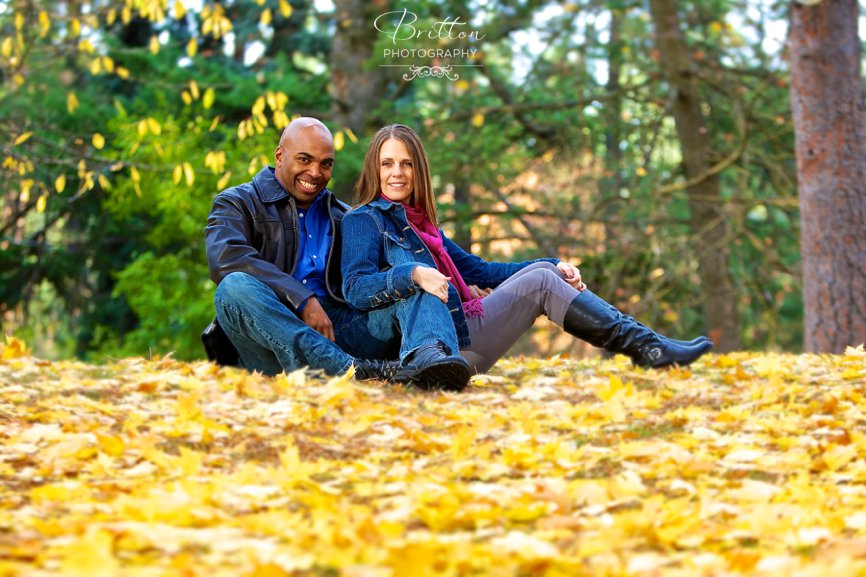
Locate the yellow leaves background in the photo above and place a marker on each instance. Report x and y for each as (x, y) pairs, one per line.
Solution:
(742, 464)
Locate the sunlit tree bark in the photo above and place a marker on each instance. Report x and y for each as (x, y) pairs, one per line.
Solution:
(830, 124)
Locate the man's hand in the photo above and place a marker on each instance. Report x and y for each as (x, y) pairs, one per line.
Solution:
(314, 315)
(571, 274)
(432, 281)
(477, 292)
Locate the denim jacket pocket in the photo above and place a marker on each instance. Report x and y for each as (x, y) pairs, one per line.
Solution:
(397, 249)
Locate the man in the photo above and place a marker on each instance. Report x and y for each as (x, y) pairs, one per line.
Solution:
(273, 248)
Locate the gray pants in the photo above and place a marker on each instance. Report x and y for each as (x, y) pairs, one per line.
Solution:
(512, 308)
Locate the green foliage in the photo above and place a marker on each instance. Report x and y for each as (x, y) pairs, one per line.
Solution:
(173, 300)
(535, 153)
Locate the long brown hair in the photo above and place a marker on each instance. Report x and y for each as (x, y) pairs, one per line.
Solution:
(368, 188)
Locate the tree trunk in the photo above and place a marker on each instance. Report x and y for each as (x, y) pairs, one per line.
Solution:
(356, 91)
(828, 109)
(709, 227)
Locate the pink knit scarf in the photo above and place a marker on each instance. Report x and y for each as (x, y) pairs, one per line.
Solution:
(432, 239)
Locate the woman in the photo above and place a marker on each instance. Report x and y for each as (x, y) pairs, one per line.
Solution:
(393, 248)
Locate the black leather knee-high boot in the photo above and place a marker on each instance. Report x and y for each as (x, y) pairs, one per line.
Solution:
(692, 342)
(600, 324)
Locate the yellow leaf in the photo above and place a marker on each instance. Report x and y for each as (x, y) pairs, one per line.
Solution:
(85, 46)
(98, 141)
(214, 124)
(258, 106)
(6, 47)
(189, 461)
(91, 556)
(837, 456)
(185, 96)
(223, 181)
(281, 118)
(71, 102)
(104, 182)
(23, 137)
(19, 21)
(75, 28)
(477, 120)
(193, 89)
(13, 349)
(126, 15)
(60, 183)
(154, 45)
(110, 445)
(41, 203)
(26, 185)
(177, 174)
(44, 23)
(285, 9)
(189, 173)
(461, 85)
(154, 126)
(192, 47)
(208, 100)
(111, 17)
(134, 174)
(266, 17)
(351, 135)
(61, 492)
(339, 141)
(108, 64)
(122, 73)
(179, 10)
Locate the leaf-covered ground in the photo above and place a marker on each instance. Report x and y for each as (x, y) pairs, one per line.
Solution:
(745, 464)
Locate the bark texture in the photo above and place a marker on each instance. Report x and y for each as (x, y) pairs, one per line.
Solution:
(356, 90)
(710, 230)
(829, 116)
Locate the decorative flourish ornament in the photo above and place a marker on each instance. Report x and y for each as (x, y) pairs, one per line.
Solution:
(425, 71)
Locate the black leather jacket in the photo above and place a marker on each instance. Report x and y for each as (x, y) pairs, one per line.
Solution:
(253, 228)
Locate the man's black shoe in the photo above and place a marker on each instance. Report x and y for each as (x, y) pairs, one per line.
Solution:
(378, 370)
(432, 367)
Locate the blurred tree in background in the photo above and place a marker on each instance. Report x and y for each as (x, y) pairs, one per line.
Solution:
(565, 134)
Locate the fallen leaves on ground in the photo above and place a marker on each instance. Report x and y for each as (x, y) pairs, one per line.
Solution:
(742, 464)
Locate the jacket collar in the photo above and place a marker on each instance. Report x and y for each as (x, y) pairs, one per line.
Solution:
(383, 204)
(267, 187)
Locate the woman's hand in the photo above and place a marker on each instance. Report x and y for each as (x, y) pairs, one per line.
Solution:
(477, 292)
(432, 281)
(571, 274)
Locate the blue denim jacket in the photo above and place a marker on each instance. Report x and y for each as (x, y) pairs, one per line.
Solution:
(380, 251)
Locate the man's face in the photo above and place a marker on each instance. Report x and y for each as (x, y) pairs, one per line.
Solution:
(304, 164)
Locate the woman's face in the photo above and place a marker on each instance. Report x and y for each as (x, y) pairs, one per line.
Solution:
(396, 173)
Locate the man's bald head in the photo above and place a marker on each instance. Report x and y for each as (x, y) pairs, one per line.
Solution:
(303, 124)
(304, 159)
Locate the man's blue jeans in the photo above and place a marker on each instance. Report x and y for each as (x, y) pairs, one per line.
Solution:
(271, 338)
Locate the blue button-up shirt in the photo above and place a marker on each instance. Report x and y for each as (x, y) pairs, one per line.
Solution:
(314, 242)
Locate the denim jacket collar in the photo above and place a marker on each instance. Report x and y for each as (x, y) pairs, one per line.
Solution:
(383, 204)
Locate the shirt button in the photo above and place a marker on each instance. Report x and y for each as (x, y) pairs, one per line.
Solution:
(309, 235)
(314, 256)
(304, 281)
(301, 214)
